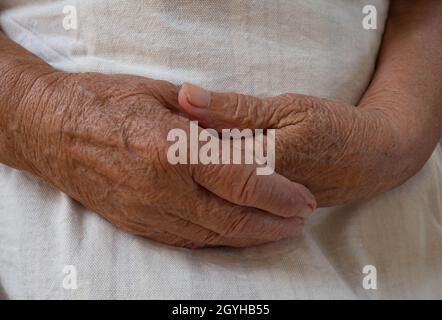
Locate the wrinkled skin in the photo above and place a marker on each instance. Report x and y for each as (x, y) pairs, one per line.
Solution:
(340, 152)
(102, 140)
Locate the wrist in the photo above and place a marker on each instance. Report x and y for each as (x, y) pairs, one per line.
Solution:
(24, 86)
(402, 135)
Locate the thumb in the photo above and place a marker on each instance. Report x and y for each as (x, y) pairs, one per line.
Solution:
(228, 110)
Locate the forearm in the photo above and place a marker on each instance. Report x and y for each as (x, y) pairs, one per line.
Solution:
(23, 79)
(407, 85)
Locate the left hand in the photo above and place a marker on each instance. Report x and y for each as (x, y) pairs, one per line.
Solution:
(342, 153)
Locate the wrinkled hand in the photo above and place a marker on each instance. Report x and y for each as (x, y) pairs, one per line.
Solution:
(102, 140)
(340, 152)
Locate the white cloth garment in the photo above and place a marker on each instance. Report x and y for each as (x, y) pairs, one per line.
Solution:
(256, 47)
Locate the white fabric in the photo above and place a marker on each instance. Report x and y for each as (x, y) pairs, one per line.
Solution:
(258, 47)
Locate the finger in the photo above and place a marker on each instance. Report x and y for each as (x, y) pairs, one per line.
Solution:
(232, 221)
(250, 185)
(172, 239)
(183, 233)
(232, 110)
(188, 235)
(240, 184)
(202, 237)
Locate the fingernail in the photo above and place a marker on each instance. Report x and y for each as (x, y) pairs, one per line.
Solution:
(196, 96)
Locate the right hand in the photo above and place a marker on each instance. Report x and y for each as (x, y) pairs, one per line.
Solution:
(102, 140)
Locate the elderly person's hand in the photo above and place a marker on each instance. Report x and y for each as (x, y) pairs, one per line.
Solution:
(344, 153)
(102, 139)
(340, 152)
